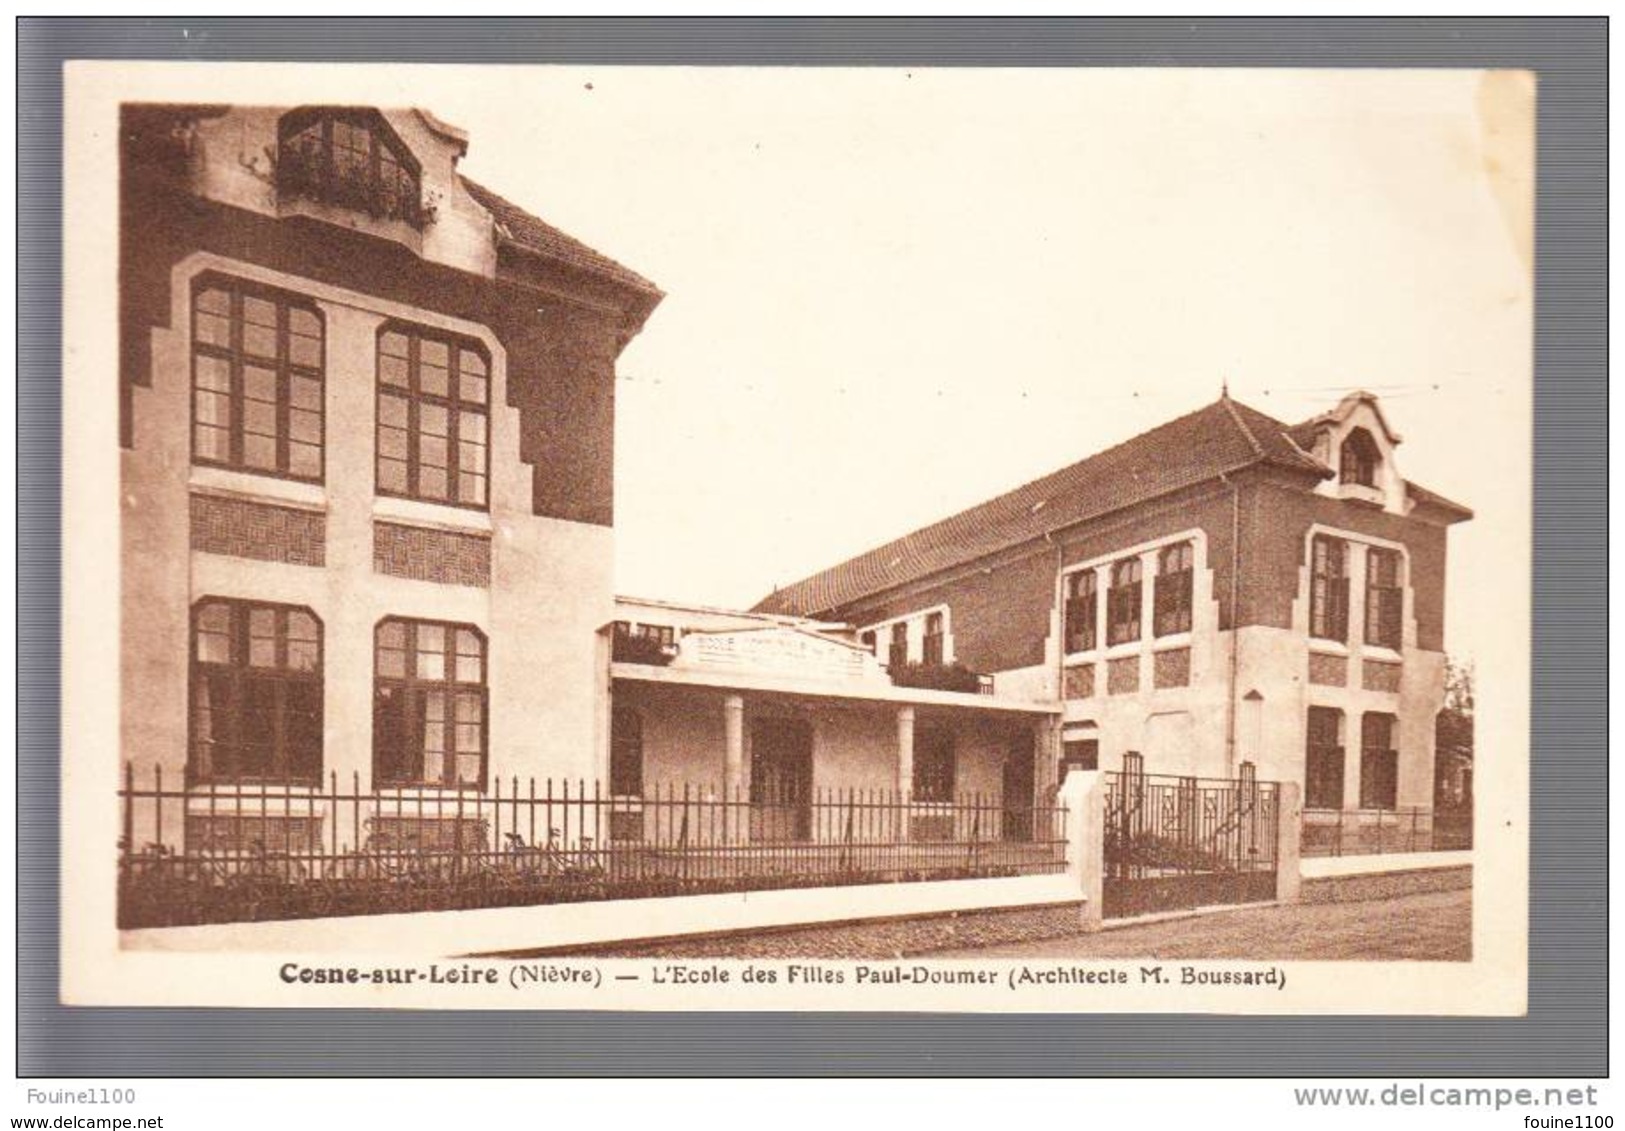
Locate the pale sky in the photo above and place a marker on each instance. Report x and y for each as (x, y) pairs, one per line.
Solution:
(892, 294)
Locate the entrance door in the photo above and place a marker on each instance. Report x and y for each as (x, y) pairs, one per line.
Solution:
(1016, 788)
(780, 780)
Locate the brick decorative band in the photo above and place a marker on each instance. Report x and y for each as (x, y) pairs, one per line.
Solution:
(1080, 682)
(244, 529)
(1172, 668)
(420, 554)
(1123, 675)
(1328, 671)
(1376, 675)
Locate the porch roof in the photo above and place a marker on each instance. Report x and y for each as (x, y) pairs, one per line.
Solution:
(828, 689)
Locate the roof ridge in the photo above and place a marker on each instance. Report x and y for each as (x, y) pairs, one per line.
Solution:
(1230, 406)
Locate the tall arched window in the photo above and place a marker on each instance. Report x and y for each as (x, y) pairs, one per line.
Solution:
(1358, 459)
(256, 693)
(348, 156)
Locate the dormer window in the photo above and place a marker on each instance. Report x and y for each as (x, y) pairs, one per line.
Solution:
(349, 158)
(1358, 459)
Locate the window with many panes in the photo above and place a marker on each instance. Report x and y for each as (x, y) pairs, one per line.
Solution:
(1323, 765)
(1358, 459)
(350, 158)
(934, 765)
(1379, 762)
(1175, 574)
(932, 646)
(433, 417)
(429, 704)
(897, 652)
(1384, 598)
(626, 753)
(257, 364)
(1123, 602)
(1329, 588)
(256, 693)
(1081, 597)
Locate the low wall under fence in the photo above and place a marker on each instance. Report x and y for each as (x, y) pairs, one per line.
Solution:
(211, 855)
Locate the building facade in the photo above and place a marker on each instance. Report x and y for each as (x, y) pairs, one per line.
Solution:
(1225, 594)
(367, 465)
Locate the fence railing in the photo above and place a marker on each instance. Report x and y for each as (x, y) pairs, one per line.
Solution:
(213, 854)
(1164, 826)
(1371, 832)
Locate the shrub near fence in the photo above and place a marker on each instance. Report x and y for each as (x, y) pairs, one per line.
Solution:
(263, 852)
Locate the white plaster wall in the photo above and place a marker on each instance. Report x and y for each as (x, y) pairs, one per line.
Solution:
(550, 583)
(232, 164)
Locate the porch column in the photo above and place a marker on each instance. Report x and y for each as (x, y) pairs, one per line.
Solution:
(733, 766)
(733, 769)
(905, 752)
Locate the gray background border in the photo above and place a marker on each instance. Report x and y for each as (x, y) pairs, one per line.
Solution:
(1565, 1032)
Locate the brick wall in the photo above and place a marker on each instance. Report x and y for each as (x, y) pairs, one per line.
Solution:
(1277, 522)
(268, 533)
(420, 554)
(1328, 671)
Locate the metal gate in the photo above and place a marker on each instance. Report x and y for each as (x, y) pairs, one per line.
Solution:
(1174, 842)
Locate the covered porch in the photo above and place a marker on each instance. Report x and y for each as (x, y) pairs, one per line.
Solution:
(772, 759)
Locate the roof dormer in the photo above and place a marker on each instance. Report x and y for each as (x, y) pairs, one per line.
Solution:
(349, 157)
(1355, 441)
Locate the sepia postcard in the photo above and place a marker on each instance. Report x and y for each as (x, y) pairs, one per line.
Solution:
(757, 539)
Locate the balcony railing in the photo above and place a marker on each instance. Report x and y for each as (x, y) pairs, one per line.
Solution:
(269, 852)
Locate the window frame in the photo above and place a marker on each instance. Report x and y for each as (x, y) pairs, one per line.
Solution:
(1379, 761)
(1362, 470)
(897, 646)
(1081, 603)
(1175, 591)
(934, 640)
(1329, 588)
(324, 182)
(415, 399)
(625, 741)
(1384, 602)
(1333, 754)
(410, 684)
(1125, 602)
(240, 669)
(237, 359)
(936, 766)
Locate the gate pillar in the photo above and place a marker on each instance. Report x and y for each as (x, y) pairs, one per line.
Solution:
(1289, 833)
(1083, 793)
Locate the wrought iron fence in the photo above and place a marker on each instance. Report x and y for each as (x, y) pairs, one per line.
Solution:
(1371, 832)
(1160, 826)
(276, 851)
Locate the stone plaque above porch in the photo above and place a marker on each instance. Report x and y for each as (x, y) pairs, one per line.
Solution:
(779, 651)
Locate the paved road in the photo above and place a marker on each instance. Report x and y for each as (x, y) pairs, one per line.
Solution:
(1435, 926)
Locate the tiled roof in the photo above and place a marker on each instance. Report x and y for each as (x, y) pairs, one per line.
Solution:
(1432, 498)
(537, 235)
(1224, 436)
